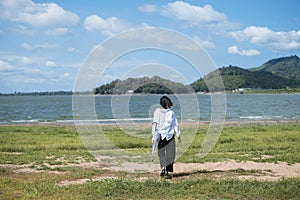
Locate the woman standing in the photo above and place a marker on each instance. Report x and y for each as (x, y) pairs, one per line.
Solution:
(165, 125)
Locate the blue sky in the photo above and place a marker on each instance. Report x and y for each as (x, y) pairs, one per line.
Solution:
(44, 43)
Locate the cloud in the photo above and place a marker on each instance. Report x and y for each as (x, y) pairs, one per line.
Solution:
(66, 75)
(57, 31)
(25, 60)
(17, 76)
(198, 15)
(249, 52)
(23, 29)
(148, 8)
(30, 47)
(204, 43)
(72, 50)
(194, 16)
(108, 26)
(14, 67)
(5, 66)
(50, 63)
(277, 41)
(40, 15)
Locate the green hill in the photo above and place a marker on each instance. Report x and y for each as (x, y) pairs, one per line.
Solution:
(234, 77)
(146, 85)
(287, 67)
(275, 74)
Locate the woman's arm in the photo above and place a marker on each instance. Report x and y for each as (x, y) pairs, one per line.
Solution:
(177, 130)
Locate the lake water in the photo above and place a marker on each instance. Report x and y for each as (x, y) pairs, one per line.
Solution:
(58, 109)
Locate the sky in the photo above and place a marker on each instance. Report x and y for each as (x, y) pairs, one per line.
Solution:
(44, 43)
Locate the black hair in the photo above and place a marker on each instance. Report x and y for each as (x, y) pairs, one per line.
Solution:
(165, 102)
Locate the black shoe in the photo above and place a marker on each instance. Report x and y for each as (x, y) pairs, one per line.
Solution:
(168, 176)
(163, 172)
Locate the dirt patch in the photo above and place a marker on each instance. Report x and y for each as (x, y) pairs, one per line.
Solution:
(241, 170)
(246, 170)
(280, 169)
(84, 180)
(49, 168)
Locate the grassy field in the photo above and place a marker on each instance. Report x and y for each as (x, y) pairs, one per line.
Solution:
(54, 154)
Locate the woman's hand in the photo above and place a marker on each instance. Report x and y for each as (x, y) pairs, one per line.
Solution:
(179, 139)
(153, 140)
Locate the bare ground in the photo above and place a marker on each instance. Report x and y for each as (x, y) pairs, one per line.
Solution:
(248, 170)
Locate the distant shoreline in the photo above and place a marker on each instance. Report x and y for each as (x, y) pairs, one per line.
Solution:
(265, 91)
(184, 123)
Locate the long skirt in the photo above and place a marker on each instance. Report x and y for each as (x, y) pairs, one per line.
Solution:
(166, 153)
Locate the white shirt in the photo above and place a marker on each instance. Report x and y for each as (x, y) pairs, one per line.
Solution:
(166, 123)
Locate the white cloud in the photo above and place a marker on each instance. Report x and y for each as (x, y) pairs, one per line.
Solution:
(22, 73)
(25, 60)
(249, 52)
(23, 29)
(197, 14)
(204, 43)
(5, 66)
(72, 50)
(149, 8)
(108, 26)
(193, 15)
(50, 63)
(17, 66)
(57, 31)
(66, 75)
(38, 46)
(277, 41)
(37, 14)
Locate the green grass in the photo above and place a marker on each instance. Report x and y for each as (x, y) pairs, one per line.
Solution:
(260, 143)
(44, 146)
(37, 144)
(43, 186)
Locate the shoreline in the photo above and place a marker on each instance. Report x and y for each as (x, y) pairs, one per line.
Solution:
(182, 123)
(226, 92)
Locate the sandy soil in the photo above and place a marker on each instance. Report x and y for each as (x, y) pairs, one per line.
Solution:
(248, 170)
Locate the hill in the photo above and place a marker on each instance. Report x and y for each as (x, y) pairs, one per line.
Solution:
(287, 67)
(235, 77)
(274, 74)
(153, 85)
(277, 73)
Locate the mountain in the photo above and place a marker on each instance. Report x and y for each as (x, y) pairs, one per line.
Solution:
(153, 85)
(287, 67)
(274, 74)
(235, 77)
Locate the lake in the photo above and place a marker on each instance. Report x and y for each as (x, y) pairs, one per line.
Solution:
(58, 109)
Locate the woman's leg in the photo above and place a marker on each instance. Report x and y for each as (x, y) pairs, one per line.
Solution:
(170, 155)
(162, 153)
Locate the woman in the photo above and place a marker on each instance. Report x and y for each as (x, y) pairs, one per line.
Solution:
(165, 124)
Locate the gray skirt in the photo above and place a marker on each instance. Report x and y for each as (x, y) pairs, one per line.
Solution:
(166, 153)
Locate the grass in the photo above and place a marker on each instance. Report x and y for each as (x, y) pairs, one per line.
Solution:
(263, 143)
(39, 144)
(52, 147)
(42, 186)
